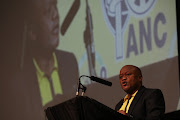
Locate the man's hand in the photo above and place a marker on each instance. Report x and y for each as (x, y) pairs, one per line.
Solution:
(122, 112)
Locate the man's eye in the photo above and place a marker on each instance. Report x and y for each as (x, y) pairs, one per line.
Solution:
(120, 77)
(128, 74)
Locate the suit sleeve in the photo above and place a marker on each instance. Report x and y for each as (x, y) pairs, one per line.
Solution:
(155, 105)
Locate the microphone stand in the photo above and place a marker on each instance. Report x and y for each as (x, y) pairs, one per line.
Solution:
(81, 86)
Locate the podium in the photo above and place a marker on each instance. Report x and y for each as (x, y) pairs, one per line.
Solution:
(82, 108)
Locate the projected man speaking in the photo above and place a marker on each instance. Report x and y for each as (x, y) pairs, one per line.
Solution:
(140, 103)
(50, 75)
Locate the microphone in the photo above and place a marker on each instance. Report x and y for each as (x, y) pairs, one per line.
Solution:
(83, 88)
(70, 16)
(99, 80)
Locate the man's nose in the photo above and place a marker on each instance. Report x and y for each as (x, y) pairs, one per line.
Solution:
(55, 13)
(124, 77)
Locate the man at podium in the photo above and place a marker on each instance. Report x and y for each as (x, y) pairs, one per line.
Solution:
(140, 103)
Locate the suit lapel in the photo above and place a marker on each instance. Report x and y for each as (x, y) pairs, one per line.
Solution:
(118, 106)
(136, 99)
(61, 68)
(121, 103)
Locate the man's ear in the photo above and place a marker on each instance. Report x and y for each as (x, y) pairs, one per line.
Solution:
(31, 33)
(140, 78)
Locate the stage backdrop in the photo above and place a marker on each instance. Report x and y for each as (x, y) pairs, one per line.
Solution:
(102, 36)
(137, 32)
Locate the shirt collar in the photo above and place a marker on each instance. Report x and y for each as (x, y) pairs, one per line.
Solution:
(133, 95)
(39, 71)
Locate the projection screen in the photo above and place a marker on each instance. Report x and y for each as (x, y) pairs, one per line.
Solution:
(96, 38)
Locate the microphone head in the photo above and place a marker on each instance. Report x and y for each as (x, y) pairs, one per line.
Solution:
(99, 80)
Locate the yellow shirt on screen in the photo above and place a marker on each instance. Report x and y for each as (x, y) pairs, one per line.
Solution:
(44, 84)
(126, 104)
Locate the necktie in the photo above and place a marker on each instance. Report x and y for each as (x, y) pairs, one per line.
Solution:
(51, 85)
(127, 104)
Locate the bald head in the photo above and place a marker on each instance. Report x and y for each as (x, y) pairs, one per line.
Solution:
(130, 78)
(134, 68)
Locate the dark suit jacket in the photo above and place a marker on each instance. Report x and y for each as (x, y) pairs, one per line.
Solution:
(148, 104)
(25, 95)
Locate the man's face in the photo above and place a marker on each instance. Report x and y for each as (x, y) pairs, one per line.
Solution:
(130, 79)
(47, 27)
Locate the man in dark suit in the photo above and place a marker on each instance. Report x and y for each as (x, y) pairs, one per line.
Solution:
(55, 71)
(140, 103)
(48, 76)
(30, 99)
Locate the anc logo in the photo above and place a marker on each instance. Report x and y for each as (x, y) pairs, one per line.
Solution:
(117, 14)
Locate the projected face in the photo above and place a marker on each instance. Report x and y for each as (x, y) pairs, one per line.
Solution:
(47, 25)
(130, 79)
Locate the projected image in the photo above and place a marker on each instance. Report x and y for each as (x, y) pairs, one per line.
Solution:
(60, 40)
(109, 34)
(44, 64)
